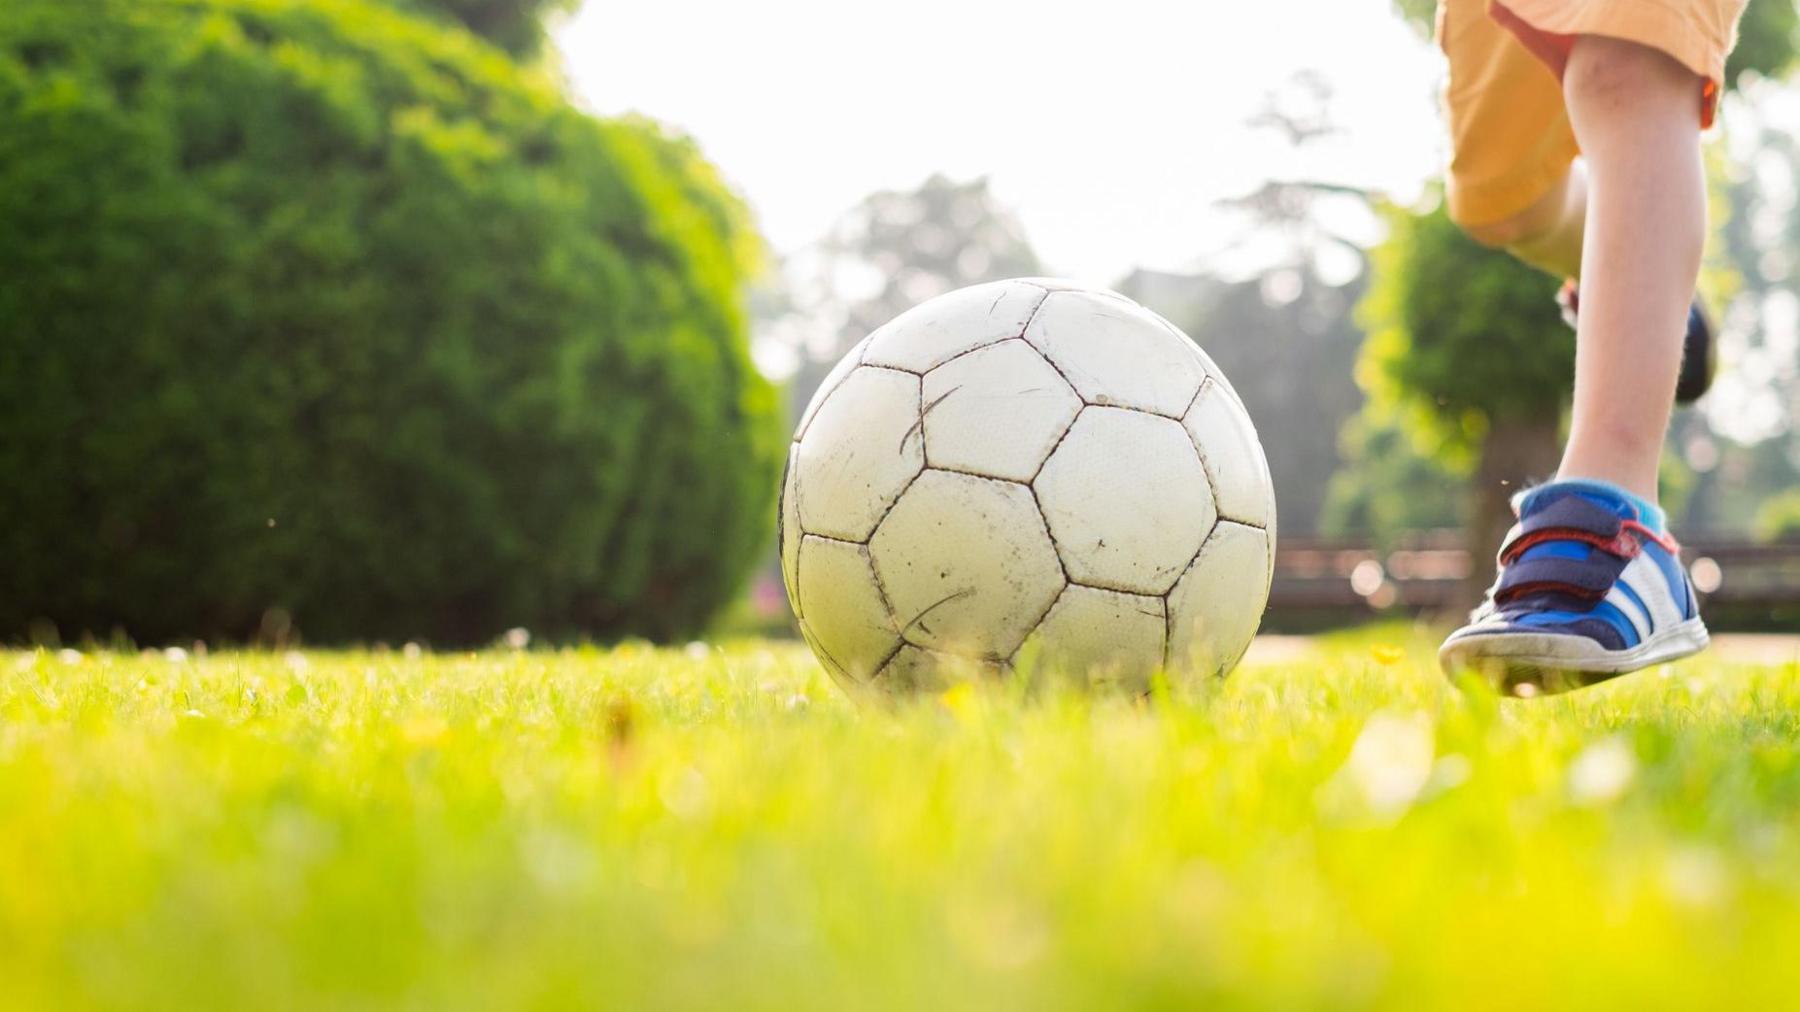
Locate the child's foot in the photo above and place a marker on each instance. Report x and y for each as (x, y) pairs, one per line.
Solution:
(1587, 590)
(1699, 356)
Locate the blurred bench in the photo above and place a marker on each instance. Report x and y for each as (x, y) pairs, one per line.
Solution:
(1425, 573)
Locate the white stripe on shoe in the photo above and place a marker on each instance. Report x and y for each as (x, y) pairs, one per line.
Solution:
(1633, 611)
(1646, 579)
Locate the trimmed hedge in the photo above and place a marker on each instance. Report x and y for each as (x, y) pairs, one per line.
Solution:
(317, 309)
(516, 26)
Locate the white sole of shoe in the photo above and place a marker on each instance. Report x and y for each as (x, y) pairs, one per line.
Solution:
(1553, 662)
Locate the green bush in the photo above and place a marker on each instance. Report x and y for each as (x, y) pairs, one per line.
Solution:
(515, 25)
(1779, 517)
(1460, 337)
(316, 309)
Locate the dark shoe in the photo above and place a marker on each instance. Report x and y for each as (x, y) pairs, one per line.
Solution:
(1699, 353)
(1699, 357)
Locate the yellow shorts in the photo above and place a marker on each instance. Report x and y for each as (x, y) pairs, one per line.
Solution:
(1509, 132)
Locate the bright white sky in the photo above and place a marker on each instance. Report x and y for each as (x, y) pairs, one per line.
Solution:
(1112, 130)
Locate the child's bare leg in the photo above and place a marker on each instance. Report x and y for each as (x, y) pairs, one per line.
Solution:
(1583, 594)
(1635, 112)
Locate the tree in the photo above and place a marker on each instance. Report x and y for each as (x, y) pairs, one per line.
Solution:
(1285, 333)
(1467, 349)
(892, 251)
(1387, 487)
(313, 308)
(517, 26)
(1288, 341)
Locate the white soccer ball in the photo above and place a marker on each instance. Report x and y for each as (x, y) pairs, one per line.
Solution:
(1026, 469)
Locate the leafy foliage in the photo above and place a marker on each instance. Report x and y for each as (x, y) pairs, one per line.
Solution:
(1756, 398)
(1418, 13)
(892, 251)
(1386, 487)
(915, 245)
(1467, 353)
(1288, 342)
(1767, 36)
(319, 310)
(514, 25)
(1779, 517)
(1460, 334)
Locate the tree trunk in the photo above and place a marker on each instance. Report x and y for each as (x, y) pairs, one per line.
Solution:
(1516, 453)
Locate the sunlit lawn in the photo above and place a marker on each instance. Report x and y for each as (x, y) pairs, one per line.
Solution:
(720, 828)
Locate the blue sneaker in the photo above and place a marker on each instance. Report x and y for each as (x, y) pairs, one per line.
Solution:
(1586, 591)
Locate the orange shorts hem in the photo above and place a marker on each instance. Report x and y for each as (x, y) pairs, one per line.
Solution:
(1510, 136)
(1475, 203)
(1697, 33)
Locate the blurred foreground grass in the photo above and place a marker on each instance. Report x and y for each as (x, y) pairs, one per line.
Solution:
(719, 828)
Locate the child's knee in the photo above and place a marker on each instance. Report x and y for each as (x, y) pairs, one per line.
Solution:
(1613, 73)
(1497, 234)
(1537, 220)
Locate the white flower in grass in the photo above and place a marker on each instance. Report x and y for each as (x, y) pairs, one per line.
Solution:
(1448, 773)
(175, 655)
(1391, 761)
(683, 792)
(560, 862)
(1696, 876)
(517, 638)
(1602, 772)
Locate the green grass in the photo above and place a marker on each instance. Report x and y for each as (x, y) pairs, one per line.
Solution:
(720, 828)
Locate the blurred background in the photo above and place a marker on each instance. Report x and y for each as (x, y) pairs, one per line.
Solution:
(427, 320)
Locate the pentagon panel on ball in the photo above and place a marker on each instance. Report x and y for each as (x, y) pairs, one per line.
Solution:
(1127, 500)
(967, 564)
(915, 669)
(1026, 468)
(1010, 381)
(1102, 636)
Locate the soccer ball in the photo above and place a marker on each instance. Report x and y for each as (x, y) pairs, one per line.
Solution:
(1026, 469)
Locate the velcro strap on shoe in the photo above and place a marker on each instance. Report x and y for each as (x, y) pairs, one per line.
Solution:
(1587, 579)
(1571, 518)
(1576, 513)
